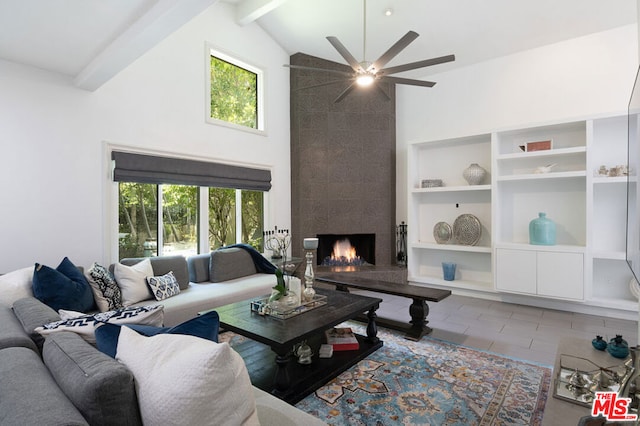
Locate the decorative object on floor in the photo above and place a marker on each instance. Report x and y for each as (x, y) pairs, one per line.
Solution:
(545, 169)
(578, 379)
(431, 183)
(542, 231)
(618, 347)
(448, 271)
(401, 244)
(467, 230)
(432, 382)
(309, 244)
(474, 174)
(442, 232)
(599, 343)
(277, 241)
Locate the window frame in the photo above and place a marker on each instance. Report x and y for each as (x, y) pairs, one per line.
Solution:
(211, 50)
(111, 228)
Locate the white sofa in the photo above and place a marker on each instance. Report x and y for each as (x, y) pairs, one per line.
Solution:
(208, 281)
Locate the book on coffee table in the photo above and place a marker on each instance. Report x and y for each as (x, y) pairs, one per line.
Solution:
(342, 339)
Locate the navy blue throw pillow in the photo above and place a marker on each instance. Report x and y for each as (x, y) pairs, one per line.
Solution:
(205, 326)
(62, 288)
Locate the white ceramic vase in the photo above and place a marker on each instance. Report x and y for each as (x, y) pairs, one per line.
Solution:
(474, 174)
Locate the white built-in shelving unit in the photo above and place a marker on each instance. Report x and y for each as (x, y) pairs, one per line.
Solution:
(446, 159)
(586, 266)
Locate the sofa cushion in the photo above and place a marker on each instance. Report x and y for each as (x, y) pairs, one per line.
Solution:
(105, 289)
(101, 388)
(11, 332)
(164, 286)
(205, 326)
(30, 396)
(33, 313)
(187, 380)
(199, 267)
(85, 325)
(229, 263)
(163, 264)
(16, 285)
(132, 281)
(62, 288)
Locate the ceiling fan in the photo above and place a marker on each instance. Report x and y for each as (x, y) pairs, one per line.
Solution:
(369, 73)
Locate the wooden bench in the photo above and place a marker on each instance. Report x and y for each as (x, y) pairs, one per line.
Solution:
(418, 310)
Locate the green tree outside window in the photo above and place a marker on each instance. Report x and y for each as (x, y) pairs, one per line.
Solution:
(234, 94)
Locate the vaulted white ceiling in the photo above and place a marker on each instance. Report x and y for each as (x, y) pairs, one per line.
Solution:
(92, 40)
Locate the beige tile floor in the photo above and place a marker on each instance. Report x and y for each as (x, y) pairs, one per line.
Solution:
(524, 332)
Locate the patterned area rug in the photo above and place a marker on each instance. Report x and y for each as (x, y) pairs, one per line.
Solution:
(432, 382)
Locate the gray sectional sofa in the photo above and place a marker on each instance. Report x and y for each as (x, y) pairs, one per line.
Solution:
(64, 380)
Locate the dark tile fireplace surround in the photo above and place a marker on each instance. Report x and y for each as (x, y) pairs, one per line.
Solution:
(343, 164)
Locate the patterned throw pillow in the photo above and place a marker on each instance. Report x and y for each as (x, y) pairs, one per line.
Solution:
(105, 289)
(85, 325)
(164, 286)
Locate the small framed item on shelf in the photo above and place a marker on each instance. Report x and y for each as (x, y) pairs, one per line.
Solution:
(342, 339)
(538, 146)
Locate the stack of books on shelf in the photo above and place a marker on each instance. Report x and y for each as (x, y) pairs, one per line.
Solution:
(342, 339)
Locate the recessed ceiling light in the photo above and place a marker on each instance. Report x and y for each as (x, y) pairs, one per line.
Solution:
(388, 12)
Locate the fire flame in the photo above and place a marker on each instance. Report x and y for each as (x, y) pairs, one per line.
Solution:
(343, 250)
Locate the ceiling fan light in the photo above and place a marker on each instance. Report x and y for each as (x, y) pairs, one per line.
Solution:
(365, 80)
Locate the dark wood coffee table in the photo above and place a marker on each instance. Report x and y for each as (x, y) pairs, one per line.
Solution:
(271, 363)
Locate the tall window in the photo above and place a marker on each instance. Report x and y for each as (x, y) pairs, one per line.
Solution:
(144, 232)
(235, 92)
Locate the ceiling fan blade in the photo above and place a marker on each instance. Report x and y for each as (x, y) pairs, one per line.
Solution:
(345, 92)
(345, 54)
(409, 81)
(302, 67)
(394, 50)
(321, 84)
(419, 64)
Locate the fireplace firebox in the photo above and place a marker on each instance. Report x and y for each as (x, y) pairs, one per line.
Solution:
(346, 249)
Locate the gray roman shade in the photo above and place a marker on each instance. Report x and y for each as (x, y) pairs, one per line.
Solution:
(143, 168)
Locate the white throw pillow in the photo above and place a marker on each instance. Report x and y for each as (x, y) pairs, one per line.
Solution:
(16, 285)
(132, 281)
(85, 325)
(186, 380)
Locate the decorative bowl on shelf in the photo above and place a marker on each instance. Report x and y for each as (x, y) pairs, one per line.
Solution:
(467, 230)
(442, 232)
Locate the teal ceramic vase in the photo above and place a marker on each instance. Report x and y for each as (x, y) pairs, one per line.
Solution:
(599, 343)
(618, 347)
(542, 231)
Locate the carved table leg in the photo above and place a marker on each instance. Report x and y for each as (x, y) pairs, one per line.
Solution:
(418, 311)
(282, 380)
(372, 328)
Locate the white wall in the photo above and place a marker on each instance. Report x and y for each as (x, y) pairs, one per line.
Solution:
(53, 171)
(585, 76)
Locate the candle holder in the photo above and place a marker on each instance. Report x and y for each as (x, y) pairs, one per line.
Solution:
(401, 244)
(309, 244)
(277, 241)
